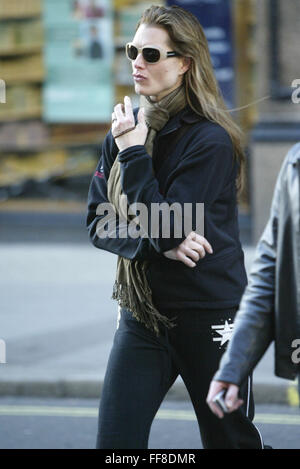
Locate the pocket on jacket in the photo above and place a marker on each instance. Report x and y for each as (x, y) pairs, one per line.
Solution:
(221, 278)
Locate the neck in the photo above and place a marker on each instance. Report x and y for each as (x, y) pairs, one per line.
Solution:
(158, 97)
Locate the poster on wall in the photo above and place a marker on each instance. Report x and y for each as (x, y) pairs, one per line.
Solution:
(215, 16)
(78, 57)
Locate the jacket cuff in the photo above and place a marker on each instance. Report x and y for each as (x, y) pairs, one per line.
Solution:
(227, 377)
(131, 152)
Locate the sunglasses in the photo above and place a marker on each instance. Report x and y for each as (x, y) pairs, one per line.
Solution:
(151, 54)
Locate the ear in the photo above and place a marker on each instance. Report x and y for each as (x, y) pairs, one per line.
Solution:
(185, 64)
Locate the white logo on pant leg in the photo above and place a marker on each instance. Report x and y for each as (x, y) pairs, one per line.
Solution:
(225, 331)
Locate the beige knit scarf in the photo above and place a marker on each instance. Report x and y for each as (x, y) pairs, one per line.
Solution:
(131, 288)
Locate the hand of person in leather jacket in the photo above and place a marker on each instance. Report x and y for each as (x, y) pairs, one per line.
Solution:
(232, 400)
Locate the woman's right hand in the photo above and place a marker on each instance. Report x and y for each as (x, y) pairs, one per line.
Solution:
(192, 249)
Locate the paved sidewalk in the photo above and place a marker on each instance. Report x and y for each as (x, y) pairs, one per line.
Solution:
(58, 320)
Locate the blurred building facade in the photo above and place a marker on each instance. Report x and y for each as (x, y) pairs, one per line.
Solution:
(56, 55)
(277, 125)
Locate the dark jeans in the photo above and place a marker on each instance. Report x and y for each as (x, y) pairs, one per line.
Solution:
(142, 367)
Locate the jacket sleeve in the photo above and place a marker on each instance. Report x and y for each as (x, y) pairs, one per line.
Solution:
(254, 323)
(125, 246)
(199, 177)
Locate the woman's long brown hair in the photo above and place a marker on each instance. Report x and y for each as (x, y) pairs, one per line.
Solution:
(202, 90)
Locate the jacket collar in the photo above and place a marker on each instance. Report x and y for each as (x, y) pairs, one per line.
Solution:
(185, 116)
(295, 154)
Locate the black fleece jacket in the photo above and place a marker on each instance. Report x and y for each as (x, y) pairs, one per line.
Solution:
(199, 168)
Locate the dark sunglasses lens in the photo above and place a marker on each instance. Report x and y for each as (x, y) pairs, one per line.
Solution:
(132, 52)
(151, 55)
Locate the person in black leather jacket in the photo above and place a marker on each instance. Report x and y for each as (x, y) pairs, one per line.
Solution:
(270, 307)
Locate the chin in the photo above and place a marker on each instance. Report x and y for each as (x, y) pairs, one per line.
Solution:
(140, 90)
(144, 90)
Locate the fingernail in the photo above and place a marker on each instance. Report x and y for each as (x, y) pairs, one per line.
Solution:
(229, 404)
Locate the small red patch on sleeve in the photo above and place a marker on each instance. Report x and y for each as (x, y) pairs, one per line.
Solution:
(99, 175)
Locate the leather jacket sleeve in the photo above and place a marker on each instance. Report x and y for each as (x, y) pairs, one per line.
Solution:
(254, 323)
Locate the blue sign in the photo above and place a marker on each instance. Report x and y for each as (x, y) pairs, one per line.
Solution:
(78, 56)
(215, 16)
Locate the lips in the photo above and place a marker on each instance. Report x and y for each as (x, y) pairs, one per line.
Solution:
(138, 77)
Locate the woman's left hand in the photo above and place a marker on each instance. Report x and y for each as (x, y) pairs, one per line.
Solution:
(123, 119)
(190, 250)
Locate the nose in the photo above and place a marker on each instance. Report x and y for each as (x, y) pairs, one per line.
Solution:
(139, 62)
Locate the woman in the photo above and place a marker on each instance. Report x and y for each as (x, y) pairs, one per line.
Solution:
(177, 295)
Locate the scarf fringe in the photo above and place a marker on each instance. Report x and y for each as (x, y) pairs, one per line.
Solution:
(144, 312)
